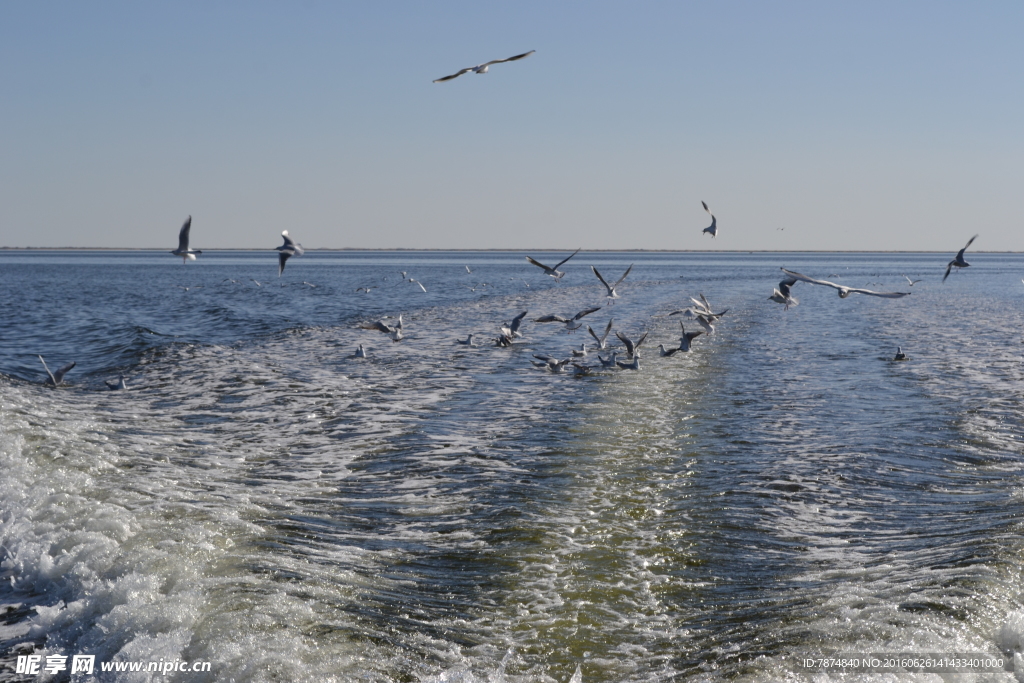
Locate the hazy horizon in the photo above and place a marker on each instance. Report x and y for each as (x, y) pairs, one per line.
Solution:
(803, 126)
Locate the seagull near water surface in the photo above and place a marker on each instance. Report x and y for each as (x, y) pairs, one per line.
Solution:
(844, 291)
(482, 68)
(183, 251)
(612, 294)
(571, 324)
(959, 261)
(286, 251)
(55, 378)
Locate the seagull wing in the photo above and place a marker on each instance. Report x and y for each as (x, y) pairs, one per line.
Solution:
(707, 209)
(454, 75)
(516, 322)
(804, 278)
(47, 368)
(949, 267)
(598, 274)
(378, 326)
(539, 264)
(967, 245)
(584, 312)
(562, 262)
(183, 235)
(509, 59)
(619, 281)
(630, 346)
(59, 375)
(641, 340)
(551, 319)
(887, 295)
(282, 258)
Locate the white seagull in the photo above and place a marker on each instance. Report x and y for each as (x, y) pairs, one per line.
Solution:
(360, 352)
(183, 251)
(958, 262)
(395, 331)
(580, 352)
(287, 250)
(554, 272)
(612, 294)
(56, 377)
(610, 361)
(603, 339)
(633, 365)
(418, 283)
(571, 324)
(912, 282)
(843, 290)
(468, 341)
(119, 384)
(552, 364)
(784, 294)
(482, 68)
(713, 228)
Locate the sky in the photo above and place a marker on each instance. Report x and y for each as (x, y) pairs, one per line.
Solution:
(803, 125)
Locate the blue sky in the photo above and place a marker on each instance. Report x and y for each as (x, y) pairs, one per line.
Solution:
(850, 125)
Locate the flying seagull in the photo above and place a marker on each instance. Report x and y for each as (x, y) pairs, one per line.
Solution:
(56, 377)
(684, 341)
(417, 282)
(912, 282)
(632, 346)
(482, 68)
(958, 262)
(287, 250)
(571, 324)
(713, 228)
(602, 340)
(843, 290)
(612, 294)
(554, 272)
(183, 251)
(395, 331)
(784, 294)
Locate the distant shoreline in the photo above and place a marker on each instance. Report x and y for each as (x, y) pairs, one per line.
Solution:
(534, 250)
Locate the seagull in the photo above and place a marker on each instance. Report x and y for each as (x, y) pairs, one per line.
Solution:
(701, 307)
(468, 341)
(256, 281)
(183, 251)
(911, 281)
(580, 352)
(365, 289)
(119, 384)
(846, 291)
(360, 352)
(554, 272)
(602, 340)
(287, 250)
(784, 295)
(482, 68)
(631, 346)
(468, 270)
(552, 364)
(512, 329)
(958, 262)
(664, 351)
(713, 228)
(612, 294)
(687, 338)
(571, 324)
(634, 365)
(579, 369)
(418, 283)
(610, 361)
(395, 331)
(58, 377)
(900, 355)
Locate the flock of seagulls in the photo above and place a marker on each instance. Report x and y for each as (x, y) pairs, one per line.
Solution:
(700, 310)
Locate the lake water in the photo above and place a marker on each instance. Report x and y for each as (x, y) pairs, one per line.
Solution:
(262, 501)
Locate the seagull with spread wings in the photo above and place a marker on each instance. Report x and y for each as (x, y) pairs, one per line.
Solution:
(612, 294)
(183, 251)
(632, 346)
(784, 294)
(602, 341)
(55, 378)
(554, 272)
(286, 251)
(713, 228)
(571, 324)
(394, 331)
(959, 261)
(844, 291)
(482, 68)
